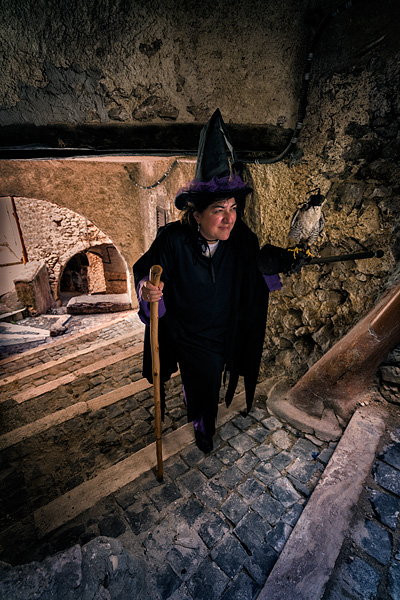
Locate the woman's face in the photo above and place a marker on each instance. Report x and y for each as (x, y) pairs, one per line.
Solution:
(217, 220)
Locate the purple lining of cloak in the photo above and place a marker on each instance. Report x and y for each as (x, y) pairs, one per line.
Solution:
(144, 307)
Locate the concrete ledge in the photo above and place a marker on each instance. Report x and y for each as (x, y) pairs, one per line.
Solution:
(98, 303)
(327, 428)
(308, 558)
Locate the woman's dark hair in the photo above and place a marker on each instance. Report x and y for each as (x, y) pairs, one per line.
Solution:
(186, 216)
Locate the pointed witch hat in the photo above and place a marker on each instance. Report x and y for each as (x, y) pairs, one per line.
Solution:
(218, 173)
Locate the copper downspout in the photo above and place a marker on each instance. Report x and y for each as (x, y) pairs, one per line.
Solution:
(346, 372)
(24, 252)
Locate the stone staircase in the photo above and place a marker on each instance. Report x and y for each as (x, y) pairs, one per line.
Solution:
(70, 411)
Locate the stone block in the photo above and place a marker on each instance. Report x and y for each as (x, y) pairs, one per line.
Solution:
(242, 443)
(98, 303)
(185, 561)
(212, 494)
(360, 578)
(33, 288)
(387, 477)
(251, 489)
(228, 431)
(386, 508)
(266, 473)
(247, 462)
(112, 526)
(394, 580)
(190, 511)
(260, 563)
(192, 480)
(229, 555)
(174, 467)
(281, 460)
(164, 580)
(278, 536)
(284, 491)
(304, 470)
(227, 455)
(251, 531)
(242, 587)
(164, 495)
(391, 456)
(143, 520)
(230, 477)
(234, 508)
(258, 433)
(212, 528)
(374, 540)
(208, 582)
(210, 466)
(265, 451)
(268, 508)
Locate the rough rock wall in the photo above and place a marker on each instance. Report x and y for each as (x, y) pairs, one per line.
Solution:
(100, 61)
(351, 149)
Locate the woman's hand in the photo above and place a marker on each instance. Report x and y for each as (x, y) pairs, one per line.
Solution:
(151, 293)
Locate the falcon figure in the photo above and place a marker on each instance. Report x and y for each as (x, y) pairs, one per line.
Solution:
(307, 224)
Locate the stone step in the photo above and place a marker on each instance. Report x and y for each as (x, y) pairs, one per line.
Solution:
(48, 457)
(54, 366)
(14, 437)
(18, 408)
(54, 384)
(66, 345)
(67, 506)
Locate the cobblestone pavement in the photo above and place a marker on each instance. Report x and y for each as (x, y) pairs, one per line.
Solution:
(368, 566)
(217, 524)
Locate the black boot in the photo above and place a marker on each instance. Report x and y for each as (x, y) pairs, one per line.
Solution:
(204, 443)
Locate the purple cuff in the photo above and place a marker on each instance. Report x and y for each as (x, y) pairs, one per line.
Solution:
(198, 424)
(144, 307)
(273, 282)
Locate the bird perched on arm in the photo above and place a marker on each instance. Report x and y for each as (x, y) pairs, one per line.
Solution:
(307, 224)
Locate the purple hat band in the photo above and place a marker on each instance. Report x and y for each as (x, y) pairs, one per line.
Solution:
(197, 190)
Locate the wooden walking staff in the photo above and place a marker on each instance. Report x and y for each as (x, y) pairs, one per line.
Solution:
(155, 275)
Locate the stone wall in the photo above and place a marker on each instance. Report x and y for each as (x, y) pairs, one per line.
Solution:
(55, 234)
(350, 149)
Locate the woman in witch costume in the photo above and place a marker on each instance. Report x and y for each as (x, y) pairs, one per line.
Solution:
(213, 298)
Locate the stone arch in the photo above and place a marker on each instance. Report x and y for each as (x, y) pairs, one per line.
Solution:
(107, 272)
(56, 234)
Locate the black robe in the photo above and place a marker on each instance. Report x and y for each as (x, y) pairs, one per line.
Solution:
(215, 307)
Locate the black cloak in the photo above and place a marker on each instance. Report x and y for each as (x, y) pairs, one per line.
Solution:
(217, 303)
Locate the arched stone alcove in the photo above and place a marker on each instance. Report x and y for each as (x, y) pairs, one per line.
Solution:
(58, 236)
(100, 269)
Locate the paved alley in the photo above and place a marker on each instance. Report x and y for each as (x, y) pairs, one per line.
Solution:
(78, 462)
